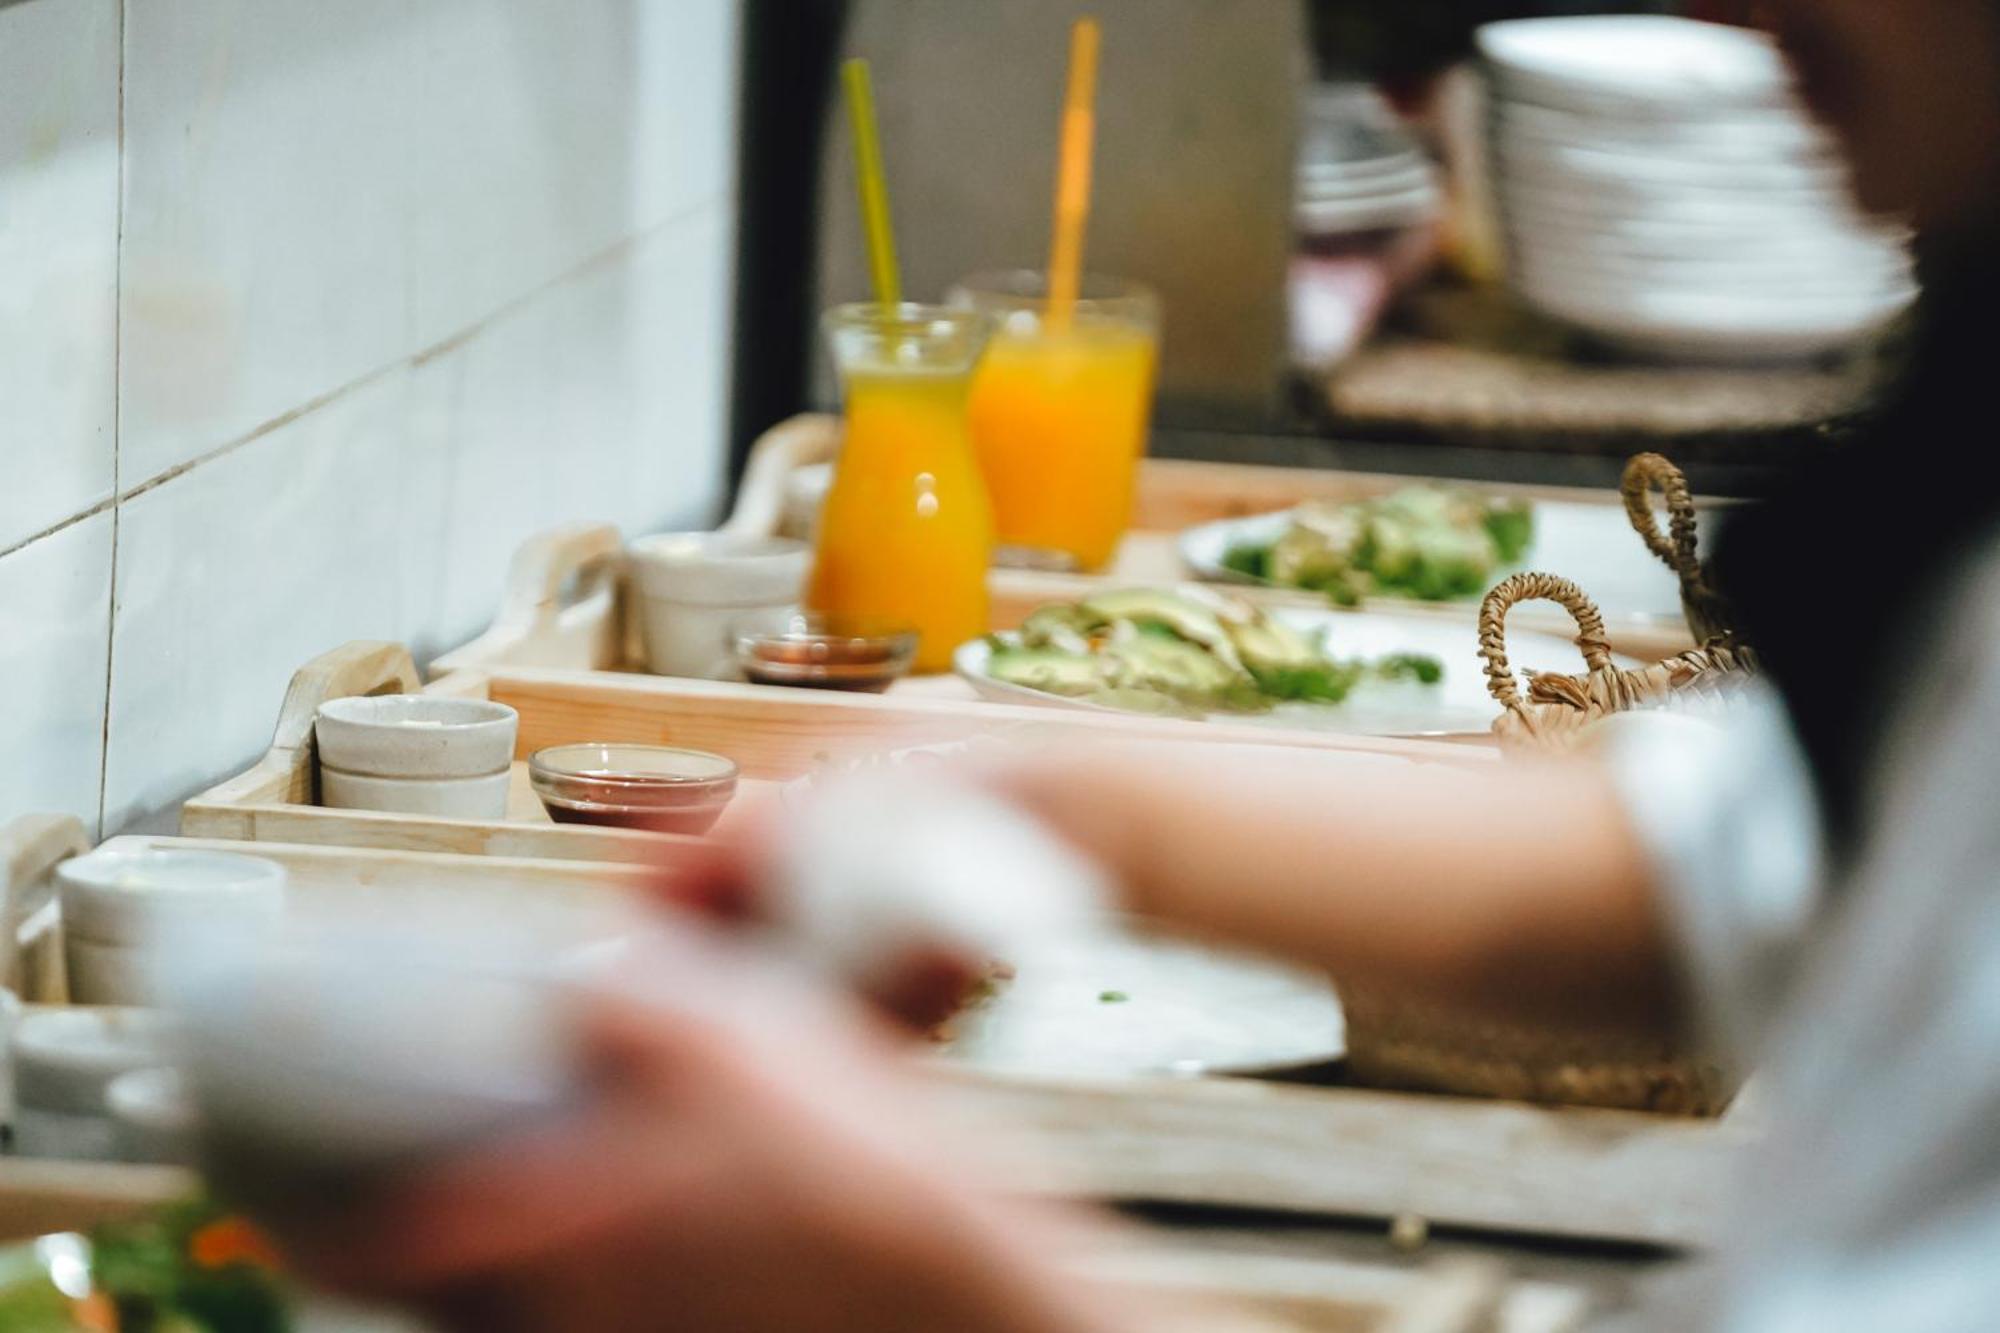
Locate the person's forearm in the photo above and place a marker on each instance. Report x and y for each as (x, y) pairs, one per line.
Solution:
(1521, 889)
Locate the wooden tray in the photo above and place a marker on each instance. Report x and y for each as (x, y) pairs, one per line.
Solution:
(1242, 1293)
(1576, 1173)
(774, 735)
(35, 845)
(1176, 495)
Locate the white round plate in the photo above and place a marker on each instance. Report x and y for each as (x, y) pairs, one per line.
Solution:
(1174, 1008)
(1360, 169)
(1822, 249)
(1459, 704)
(1635, 60)
(1539, 177)
(1343, 177)
(1316, 217)
(1716, 328)
(1725, 217)
(1537, 159)
(1382, 187)
(1593, 543)
(1783, 280)
(1753, 136)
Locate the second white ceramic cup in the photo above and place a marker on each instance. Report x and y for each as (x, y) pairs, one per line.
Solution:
(694, 587)
(416, 754)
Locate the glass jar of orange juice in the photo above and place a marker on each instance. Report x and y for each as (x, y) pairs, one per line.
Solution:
(907, 531)
(1060, 414)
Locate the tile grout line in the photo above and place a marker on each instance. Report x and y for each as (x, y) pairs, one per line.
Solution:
(117, 438)
(416, 359)
(424, 356)
(66, 524)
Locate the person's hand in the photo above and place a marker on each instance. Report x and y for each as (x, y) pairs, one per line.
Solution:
(728, 881)
(906, 887)
(752, 1163)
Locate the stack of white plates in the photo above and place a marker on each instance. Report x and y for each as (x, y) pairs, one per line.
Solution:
(1358, 170)
(1662, 189)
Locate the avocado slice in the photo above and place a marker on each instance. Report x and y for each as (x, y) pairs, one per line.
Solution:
(1062, 626)
(1047, 670)
(1389, 549)
(1452, 562)
(1184, 670)
(1318, 549)
(1268, 644)
(1189, 619)
(1178, 615)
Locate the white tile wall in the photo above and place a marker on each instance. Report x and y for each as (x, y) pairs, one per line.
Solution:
(618, 374)
(268, 197)
(58, 259)
(554, 129)
(233, 575)
(54, 604)
(399, 284)
(324, 189)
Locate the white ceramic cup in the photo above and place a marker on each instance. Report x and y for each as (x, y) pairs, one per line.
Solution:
(119, 907)
(416, 736)
(113, 896)
(445, 798)
(115, 974)
(416, 754)
(695, 587)
(65, 1061)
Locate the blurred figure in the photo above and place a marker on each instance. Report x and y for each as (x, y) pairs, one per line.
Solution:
(750, 1180)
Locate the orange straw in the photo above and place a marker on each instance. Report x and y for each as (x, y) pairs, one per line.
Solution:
(1079, 132)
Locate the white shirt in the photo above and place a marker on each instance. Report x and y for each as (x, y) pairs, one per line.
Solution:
(1873, 1010)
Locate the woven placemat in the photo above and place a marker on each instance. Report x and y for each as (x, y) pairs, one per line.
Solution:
(1470, 366)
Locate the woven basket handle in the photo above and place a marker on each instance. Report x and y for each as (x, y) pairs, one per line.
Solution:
(1677, 546)
(1500, 679)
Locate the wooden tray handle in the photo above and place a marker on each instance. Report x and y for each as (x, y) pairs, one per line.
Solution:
(359, 668)
(1677, 548)
(1590, 638)
(780, 451)
(562, 566)
(578, 565)
(30, 849)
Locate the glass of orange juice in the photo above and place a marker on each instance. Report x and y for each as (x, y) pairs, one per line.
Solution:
(907, 532)
(1060, 414)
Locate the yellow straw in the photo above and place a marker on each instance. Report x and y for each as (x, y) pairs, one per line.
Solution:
(1079, 132)
(874, 185)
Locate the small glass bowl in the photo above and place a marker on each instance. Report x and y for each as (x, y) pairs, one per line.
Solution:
(827, 652)
(657, 788)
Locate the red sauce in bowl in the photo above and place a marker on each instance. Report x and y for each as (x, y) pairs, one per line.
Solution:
(821, 652)
(653, 788)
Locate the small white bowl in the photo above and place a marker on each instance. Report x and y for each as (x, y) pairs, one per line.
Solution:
(127, 897)
(416, 736)
(152, 1116)
(447, 798)
(65, 1059)
(693, 587)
